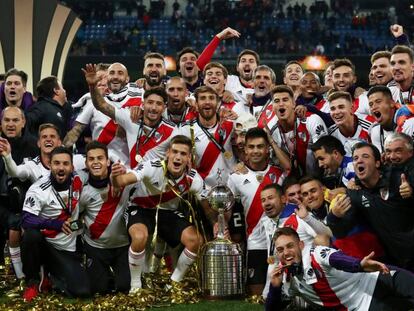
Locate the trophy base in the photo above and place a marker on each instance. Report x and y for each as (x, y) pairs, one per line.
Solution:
(225, 297)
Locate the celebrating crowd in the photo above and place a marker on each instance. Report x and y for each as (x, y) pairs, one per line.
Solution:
(320, 168)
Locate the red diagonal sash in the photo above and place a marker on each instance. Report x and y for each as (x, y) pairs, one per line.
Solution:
(109, 131)
(211, 153)
(104, 216)
(163, 132)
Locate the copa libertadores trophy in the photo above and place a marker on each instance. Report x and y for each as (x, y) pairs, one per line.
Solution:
(222, 274)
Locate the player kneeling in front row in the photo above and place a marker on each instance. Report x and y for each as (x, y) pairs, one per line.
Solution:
(160, 185)
(50, 221)
(328, 278)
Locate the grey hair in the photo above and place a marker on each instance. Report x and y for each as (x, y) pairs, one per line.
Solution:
(267, 68)
(400, 136)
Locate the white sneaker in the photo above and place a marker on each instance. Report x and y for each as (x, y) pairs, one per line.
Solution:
(134, 290)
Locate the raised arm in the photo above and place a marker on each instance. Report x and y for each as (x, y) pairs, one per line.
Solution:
(73, 135)
(98, 101)
(120, 178)
(12, 169)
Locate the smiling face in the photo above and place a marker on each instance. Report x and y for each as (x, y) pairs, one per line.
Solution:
(293, 74)
(312, 194)
(14, 90)
(61, 167)
(262, 83)
(13, 122)
(382, 108)
(117, 77)
(283, 106)
(257, 151)
(397, 152)
(48, 140)
(271, 202)
(188, 66)
(289, 249)
(343, 78)
(178, 158)
(97, 163)
(329, 162)
(154, 71)
(365, 165)
(327, 78)
(214, 78)
(207, 103)
(341, 111)
(153, 108)
(402, 67)
(246, 66)
(382, 71)
(309, 85)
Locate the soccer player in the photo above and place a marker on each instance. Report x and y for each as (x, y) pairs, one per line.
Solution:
(248, 186)
(328, 278)
(348, 127)
(103, 127)
(402, 64)
(50, 223)
(106, 237)
(292, 74)
(154, 70)
(147, 139)
(292, 134)
(160, 186)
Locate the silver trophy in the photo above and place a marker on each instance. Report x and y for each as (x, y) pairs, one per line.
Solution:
(222, 265)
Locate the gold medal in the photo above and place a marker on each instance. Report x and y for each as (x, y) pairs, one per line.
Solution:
(228, 155)
(259, 178)
(138, 158)
(271, 260)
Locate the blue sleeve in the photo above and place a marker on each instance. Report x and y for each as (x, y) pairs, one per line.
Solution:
(343, 262)
(274, 299)
(31, 221)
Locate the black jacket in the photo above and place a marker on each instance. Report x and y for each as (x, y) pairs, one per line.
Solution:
(47, 110)
(387, 213)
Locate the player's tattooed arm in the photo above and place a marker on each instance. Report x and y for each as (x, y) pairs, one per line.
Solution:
(73, 135)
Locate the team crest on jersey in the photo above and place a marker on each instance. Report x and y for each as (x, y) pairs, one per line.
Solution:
(385, 193)
(268, 113)
(302, 136)
(157, 136)
(181, 187)
(273, 178)
(222, 133)
(76, 195)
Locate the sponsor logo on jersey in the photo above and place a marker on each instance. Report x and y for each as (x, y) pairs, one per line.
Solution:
(30, 201)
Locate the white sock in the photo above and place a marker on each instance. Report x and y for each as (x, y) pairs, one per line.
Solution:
(184, 262)
(136, 263)
(16, 261)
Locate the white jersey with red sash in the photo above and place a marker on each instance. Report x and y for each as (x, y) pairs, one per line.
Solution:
(103, 128)
(188, 115)
(213, 149)
(144, 142)
(155, 188)
(248, 187)
(235, 107)
(361, 133)
(240, 91)
(329, 287)
(264, 114)
(44, 201)
(298, 141)
(401, 97)
(103, 215)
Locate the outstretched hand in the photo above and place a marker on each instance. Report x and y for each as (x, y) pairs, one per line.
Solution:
(228, 33)
(90, 74)
(370, 265)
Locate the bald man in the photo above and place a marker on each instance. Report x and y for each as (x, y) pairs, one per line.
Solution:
(12, 190)
(177, 111)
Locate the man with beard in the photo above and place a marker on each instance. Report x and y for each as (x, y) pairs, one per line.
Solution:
(211, 138)
(330, 279)
(160, 187)
(154, 70)
(13, 90)
(337, 168)
(104, 129)
(177, 110)
(248, 186)
(348, 127)
(215, 76)
(149, 137)
(292, 134)
(402, 64)
(382, 203)
(105, 236)
(51, 107)
(50, 221)
(264, 79)
(12, 190)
